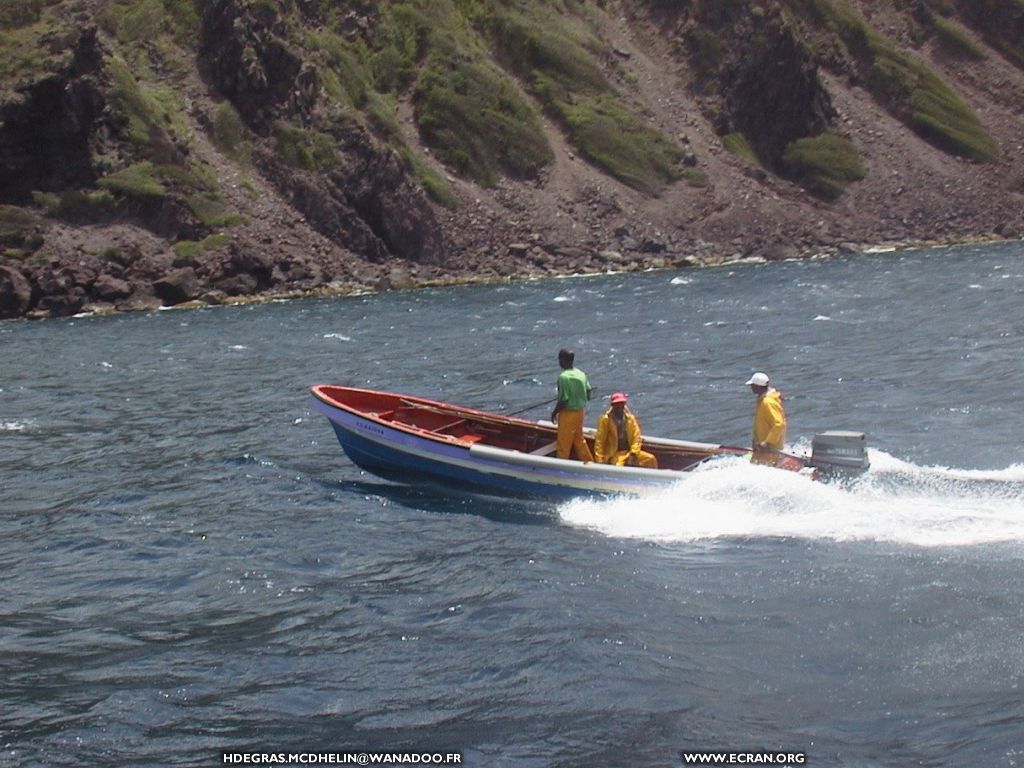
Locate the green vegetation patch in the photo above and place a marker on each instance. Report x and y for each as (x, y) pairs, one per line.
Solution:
(559, 69)
(619, 142)
(19, 227)
(433, 183)
(147, 182)
(707, 55)
(381, 113)
(137, 182)
(553, 60)
(929, 106)
(15, 14)
(999, 21)
(29, 44)
(839, 18)
(78, 206)
(345, 67)
(474, 117)
(304, 149)
(211, 212)
(183, 19)
(153, 117)
(406, 33)
(824, 164)
(188, 250)
(229, 132)
(940, 116)
(468, 110)
(696, 177)
(134, 21)
(904, 85)
(198, 186)
(156, 42)
(737, 144)
(138, 22)
(954, 39)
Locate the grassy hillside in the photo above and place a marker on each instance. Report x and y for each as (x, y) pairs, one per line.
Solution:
(901, 82)
(371, 121)
(480, 74)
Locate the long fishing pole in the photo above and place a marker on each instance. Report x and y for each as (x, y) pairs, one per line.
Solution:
(535, 405)
(531, 407)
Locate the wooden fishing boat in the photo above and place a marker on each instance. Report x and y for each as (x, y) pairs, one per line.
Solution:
(404, 437)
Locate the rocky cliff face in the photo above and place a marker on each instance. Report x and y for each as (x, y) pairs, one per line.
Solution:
(48, 125)
(158, 153)
(362, 199)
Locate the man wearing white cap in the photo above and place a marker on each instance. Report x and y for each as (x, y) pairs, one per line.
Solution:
(769, 420)
(618, 437)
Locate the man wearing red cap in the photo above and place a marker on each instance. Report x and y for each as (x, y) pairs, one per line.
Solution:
(618, 438)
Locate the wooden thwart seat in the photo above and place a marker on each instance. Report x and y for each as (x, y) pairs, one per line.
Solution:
(545, 450)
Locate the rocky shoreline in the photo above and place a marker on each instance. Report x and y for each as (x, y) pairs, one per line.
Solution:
(405, 277)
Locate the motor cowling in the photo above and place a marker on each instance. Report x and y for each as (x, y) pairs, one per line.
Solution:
(838, 452)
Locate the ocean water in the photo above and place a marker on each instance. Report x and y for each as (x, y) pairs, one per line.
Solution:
(190, 565)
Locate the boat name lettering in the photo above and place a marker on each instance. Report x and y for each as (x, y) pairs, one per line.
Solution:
(372, 428)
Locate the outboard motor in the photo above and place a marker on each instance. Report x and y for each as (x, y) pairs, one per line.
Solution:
(837, 453)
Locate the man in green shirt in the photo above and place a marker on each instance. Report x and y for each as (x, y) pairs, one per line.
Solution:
(573, 393)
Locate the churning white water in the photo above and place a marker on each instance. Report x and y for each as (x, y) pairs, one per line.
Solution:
(895, 502)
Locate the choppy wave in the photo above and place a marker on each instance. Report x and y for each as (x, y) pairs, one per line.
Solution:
(895, 502)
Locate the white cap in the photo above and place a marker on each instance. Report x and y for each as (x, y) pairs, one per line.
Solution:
(758, 379)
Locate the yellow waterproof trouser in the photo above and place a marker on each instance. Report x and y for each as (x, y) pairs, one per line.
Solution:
(570, 436)
(764, 456)
(643, 459)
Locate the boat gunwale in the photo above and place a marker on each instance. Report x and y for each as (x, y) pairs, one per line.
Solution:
(447, 408)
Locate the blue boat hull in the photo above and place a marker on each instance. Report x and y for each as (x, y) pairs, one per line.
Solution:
(393, 464)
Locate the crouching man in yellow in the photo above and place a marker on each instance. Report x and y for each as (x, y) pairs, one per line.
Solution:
(618, 438)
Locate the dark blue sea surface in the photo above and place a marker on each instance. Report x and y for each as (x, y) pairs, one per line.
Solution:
(189, 564)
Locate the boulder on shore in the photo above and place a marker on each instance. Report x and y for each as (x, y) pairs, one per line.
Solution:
(15, 293)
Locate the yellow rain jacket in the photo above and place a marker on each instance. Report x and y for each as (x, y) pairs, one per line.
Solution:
(769, 425)
(606, 441)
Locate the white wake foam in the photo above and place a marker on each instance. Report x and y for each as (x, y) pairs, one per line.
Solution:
(894, 502)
